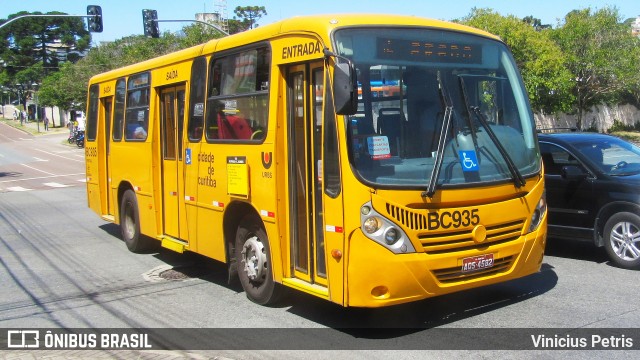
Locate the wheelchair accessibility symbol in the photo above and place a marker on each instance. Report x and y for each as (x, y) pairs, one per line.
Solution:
(469, 160)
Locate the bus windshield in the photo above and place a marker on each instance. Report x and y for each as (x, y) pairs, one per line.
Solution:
(436, 108)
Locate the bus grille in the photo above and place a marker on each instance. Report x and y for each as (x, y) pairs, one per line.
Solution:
(454, 274)
(455, 240)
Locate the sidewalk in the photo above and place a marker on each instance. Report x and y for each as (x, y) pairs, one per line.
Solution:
(31, 127)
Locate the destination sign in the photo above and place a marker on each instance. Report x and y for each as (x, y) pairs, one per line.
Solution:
(428, 51)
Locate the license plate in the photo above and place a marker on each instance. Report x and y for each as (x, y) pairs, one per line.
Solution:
(476, 263)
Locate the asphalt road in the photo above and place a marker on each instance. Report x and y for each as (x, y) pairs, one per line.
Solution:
(63, 267)
(30, 162)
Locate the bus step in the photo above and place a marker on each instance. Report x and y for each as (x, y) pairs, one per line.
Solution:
(174, 244)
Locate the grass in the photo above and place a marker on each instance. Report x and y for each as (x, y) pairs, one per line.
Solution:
(630, 136)
(32, 127)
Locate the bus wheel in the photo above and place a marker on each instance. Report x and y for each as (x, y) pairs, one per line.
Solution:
(253, 257)
(130, 224)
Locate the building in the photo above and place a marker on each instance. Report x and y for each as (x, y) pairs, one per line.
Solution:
(635, 27)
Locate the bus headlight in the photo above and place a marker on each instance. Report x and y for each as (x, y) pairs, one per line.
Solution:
(371, 225)
(539, 212)
(391, 236)
(384, 231)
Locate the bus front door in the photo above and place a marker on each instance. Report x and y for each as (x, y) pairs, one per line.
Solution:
(105, 166)
(305, 87)
(172, 124)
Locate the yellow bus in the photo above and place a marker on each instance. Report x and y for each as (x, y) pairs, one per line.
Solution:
(267, 151)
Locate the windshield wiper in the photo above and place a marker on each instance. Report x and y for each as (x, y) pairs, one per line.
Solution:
(445, 99)
(465, 98)
(515, 173)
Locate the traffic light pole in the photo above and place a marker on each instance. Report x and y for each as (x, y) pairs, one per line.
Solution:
(43, 15)
(198, 21)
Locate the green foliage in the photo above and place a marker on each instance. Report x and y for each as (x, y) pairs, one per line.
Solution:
(590, 58)
(68, 88)
(59, 88)
(619, 126)
(541, 61)
(601, 54)
(197, 34)
(248, 16)
(30, 48)
(594, 47)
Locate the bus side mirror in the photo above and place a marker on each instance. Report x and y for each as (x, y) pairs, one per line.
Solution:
(345, 86)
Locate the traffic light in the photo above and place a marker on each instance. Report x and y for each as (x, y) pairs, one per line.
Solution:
(95, 18)
(150, 23)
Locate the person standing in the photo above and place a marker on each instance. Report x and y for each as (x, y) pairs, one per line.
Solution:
(46, 123)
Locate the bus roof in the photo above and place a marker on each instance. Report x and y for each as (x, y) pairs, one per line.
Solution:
(321, 25)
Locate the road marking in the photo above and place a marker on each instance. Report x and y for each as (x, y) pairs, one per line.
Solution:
(83, 180)
(38, 159)
(56, 185)
(42, 171)
(18, 188)
(5, 136)
(40, 178)
(64, 157)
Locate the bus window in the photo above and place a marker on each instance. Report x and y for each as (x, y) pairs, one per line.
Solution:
(118, 118)
(137, 110)
(92, 116)
(196, 103)
(238, 103)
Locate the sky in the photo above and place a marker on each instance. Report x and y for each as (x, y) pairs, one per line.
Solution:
(124, 17)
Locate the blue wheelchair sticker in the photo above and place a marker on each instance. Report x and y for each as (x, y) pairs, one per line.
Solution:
(187, 156)
(469, 160)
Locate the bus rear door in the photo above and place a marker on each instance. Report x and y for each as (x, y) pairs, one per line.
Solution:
(172, 103)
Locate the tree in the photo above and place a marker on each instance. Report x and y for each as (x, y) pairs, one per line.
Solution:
(62, 88)
(68, 88)
(602, 56)
(535, 22)
(540, 60)
(197, 34)
(248, 15)
(34, 47)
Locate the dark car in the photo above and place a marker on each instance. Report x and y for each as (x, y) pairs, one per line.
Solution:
(593, 192)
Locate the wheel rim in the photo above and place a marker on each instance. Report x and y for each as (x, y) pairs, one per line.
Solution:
(625, 241)
(129, 223)
(254, 260)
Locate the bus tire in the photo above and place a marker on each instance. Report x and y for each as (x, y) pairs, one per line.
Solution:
(253, 259)
(130, 224)
(620, 239)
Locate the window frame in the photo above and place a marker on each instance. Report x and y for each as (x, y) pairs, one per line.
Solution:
(144, 105)
(258, 135)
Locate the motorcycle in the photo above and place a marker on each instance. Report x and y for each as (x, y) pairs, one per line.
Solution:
(72, 136)
(80, 139)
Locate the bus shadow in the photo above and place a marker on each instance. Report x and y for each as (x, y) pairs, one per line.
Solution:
(186, 265)
(421, 315)
(395, 321)
(576, 249)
